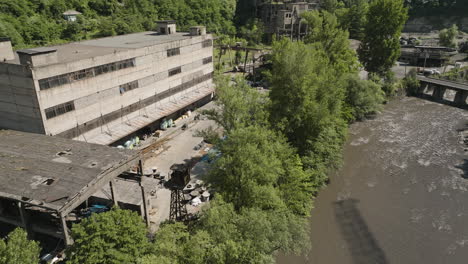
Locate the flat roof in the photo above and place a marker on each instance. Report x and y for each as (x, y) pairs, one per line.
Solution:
(87, 49)
(52, 172)
(71, 12)
(37, 51)
(166, 21)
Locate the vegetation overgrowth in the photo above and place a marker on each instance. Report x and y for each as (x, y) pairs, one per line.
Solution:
(40, 22)
(277, 149)
(17, 249)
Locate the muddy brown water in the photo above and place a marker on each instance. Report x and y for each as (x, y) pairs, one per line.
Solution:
(402, 193)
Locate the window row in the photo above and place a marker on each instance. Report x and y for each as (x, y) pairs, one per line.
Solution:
(184, 86)
(173, 52)
(175, 71)
(207, 60)
(59, 80)
(128, 86)
(59, 109)
(207, 43)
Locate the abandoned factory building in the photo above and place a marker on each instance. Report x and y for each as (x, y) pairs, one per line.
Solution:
(102, 90)
(283, 18)
(47, 182)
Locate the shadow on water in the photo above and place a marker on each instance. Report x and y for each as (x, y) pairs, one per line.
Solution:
(464, 168)
(361, 243)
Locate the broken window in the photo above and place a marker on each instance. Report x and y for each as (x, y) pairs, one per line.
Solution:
(128, 86)
(59, 109)
(175, 71)
(173, 52)
(59, 80)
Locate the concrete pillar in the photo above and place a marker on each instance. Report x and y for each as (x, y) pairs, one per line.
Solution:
(422, 87)
(145, 213)
(438, 93)
(140, 168)
(25, 220)
(112, 187)
(460, 98)
(66, 236)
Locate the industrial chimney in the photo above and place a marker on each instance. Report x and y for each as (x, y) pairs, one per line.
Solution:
(166, 27)
(6, 50)
(197, 31)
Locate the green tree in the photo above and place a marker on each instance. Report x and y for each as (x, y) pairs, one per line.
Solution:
(252, 235)
(174, 244)
(325, 34)
(306, 100)
(447, 36)
(253, 31)
(304, 92)
(380, 47)
(411, 83)
(73, 30)
(117, 236)
(362, 97)
(354, 18)
(17, 249)
(330, 5)
(245, 12)
(240, 105)
(259, 169)
(106, 28)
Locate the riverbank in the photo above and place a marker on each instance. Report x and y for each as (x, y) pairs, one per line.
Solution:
(401, 196)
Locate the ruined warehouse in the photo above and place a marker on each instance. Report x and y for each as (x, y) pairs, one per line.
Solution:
(102, 90)
(47, 181)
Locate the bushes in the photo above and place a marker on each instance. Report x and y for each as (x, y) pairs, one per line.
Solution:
(447, 36)
(17, 249)
(362, 97)
(411, 83)
(117, 236)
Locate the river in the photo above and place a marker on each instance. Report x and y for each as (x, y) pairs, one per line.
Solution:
(401, 195)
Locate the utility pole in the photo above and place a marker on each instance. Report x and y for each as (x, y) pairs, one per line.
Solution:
(425, 58)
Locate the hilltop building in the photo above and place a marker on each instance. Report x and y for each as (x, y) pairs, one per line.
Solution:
(71, 15)
(103, 90)
(283, 18)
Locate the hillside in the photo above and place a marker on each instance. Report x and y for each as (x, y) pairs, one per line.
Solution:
(40, 22)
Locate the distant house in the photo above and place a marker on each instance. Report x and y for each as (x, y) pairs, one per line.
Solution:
(283, 18)
(70, 15)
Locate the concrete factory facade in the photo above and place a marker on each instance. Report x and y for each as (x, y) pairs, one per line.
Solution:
(102, 90)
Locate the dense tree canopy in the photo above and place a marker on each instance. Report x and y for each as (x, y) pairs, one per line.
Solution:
(117, 236)
(380, 47)
(353, 17)
(306, 105)
(259, 169)
(325, 34)
(224, 235)
(240, 105)
(17, 249)
(447, 37)
(34, 23)
(362, 97)
(304, 92)
(437, 7)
